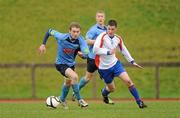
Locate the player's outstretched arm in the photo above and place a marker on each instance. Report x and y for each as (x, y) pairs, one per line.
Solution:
(57, 35)
(127, 55)
(136, 65)
(42, 47)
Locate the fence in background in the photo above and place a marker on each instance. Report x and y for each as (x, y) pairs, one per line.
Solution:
(94, 88)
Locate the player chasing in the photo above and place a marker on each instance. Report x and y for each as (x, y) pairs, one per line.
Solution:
(91, 36)
(109, 66)
(69, 45)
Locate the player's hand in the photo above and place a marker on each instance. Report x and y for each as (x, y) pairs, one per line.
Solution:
(137, 65)
(42, 49)
(90, 41)
(112, 51)
(80, 54)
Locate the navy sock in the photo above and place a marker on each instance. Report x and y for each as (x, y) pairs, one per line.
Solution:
(82, 82)
(65, 90)
(76, 91)
(105, 92)
(134, 92)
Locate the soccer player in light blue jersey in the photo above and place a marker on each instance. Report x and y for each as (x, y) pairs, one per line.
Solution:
(91, 36)
(69, 45)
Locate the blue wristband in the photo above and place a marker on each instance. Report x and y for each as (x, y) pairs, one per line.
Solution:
(132, 62)
(108, 53)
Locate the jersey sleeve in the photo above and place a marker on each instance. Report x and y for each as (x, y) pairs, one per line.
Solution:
(83, 46)
(98, 45)
(125, 51)
(90, 34)
(57, 35)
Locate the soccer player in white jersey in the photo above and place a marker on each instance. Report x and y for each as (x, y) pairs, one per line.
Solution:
(109, 66)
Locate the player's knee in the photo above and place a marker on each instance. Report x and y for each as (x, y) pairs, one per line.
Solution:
(130, 83)
(68, 83)
(112, 88)
(75, 77)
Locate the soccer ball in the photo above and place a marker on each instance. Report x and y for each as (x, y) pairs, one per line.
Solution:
(52, 101)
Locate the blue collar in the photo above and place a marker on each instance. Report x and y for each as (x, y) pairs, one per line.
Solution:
(111, 37)
(101, 27)
(72, 39)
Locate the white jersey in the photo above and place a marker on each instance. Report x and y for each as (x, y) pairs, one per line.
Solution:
(103, 44)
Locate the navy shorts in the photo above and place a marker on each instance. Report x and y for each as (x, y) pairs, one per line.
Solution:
(91, 66)
(108, 74)
(62, 68)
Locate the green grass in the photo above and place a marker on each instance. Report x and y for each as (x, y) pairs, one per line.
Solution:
(95, 110)
(150, 29)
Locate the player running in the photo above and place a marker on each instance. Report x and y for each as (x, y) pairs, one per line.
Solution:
(91, 36)
(69, 45)
(109, 66)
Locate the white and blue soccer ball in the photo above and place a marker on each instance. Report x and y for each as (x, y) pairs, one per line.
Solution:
(52, 101)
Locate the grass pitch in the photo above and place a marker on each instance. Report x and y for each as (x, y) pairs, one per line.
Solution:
(122, 109)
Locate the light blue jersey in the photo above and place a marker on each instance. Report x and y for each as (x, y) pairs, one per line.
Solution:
(92, 34)
(68, 47)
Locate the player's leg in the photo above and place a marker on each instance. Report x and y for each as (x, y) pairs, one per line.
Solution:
(64, 92)
(74, 83)
(91, 68)
(106, 91)
(84, 80)
(66, 86)
(126, 79)
(65, 89)
(107, 76)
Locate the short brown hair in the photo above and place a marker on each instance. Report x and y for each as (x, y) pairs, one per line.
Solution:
(112, 23)
(100, 11)
(74, 24)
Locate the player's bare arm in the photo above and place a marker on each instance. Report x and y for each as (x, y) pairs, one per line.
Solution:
(42, 49)
(137, 65)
